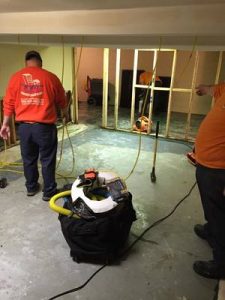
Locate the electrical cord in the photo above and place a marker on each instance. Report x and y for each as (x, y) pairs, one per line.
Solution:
(137, 158)
(81, 286)
(142, 113)
(146, 97)
(139, 150)
(162, 219)
(153, 77)
(189, 58)
(128, 248)
(64, 123)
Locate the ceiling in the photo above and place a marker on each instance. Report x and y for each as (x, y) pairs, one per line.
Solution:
(115, 23)
(7, 6)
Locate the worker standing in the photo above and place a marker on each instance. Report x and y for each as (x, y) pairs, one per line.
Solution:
(33, 94)
(210, 175)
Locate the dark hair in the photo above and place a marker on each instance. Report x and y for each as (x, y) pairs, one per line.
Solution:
(33, 54)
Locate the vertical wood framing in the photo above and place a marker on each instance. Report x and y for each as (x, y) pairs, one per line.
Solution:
(218, 70)
(170, 93)
(151, 87)
(74, 87)
(105, 86)
(192, 95)
(133, 87)
(117, 87)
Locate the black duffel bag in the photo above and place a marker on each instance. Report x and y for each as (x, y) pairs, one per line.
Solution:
(101, 237)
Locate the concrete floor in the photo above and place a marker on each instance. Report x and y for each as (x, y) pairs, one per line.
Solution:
(35, 262)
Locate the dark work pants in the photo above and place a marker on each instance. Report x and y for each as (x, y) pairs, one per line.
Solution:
(39, 139)
(211, 184)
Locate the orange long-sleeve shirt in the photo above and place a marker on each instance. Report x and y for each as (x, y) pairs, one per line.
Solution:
(33, 94)
(210, 140)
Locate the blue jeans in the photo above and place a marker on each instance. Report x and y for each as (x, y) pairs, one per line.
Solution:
(36, 140)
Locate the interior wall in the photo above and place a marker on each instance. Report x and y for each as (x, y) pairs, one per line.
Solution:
(91, 64)
(12, 60)
(206, 74)
(53, 61)
(222, 73)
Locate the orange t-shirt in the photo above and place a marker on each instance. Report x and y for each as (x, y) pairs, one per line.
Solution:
(33, 95)
(146, 77)
(210, 140)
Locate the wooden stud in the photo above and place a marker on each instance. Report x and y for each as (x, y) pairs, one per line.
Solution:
(193, 84)
(171, 89)
(133, 88)
(74, 87)
(105, 87)
(152, 87)
(117, 87)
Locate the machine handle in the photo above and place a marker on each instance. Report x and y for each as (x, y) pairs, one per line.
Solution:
(157, 129)
(59, 209)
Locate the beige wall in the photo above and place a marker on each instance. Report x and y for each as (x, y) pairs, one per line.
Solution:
(206, 75)
(91, 64)
(53, 61)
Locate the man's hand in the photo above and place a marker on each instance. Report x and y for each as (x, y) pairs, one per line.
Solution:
(204, 90)
(5, 132)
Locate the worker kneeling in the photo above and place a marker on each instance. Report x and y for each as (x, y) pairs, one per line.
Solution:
(97, 216)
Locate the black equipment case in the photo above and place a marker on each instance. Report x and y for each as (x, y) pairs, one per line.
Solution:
(100, 237)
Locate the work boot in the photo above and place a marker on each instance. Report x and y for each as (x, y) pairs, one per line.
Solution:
(34, 191)
(201, 231)
(48, 196)
(209, 269)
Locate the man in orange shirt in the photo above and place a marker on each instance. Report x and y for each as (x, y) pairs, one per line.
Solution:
(210, 175)
(33, 95)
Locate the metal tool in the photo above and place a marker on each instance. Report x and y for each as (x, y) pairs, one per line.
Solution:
(153, 177)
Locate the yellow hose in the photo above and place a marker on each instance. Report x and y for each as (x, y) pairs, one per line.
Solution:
(59, 209)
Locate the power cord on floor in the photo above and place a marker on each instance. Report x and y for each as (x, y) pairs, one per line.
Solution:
(128, 248)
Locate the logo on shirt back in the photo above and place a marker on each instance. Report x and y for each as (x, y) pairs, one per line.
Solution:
(32, 89)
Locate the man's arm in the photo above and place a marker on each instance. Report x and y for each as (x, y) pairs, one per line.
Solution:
(5, 129)
(205, 90)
